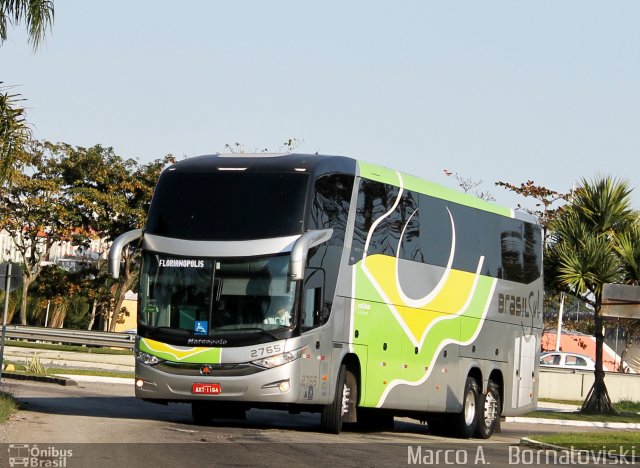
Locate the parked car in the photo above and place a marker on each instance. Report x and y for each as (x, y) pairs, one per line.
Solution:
(562, 360)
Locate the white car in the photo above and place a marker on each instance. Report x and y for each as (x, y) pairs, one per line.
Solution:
(562, 360)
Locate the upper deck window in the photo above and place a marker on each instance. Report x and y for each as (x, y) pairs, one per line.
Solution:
(227, 205)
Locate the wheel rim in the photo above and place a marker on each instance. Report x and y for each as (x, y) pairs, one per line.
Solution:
(469, 408)
(346, 392)
(490, 409)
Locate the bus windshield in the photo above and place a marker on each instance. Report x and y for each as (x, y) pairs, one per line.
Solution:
(227, 205)
(209, 297)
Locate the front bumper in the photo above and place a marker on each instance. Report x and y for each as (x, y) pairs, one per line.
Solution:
(259, 387)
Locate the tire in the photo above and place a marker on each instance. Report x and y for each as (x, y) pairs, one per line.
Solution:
(201, 412)
(465, 422)
(343, 407)
(490, 408)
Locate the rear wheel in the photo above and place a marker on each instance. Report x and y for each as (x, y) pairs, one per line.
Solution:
(465, 422)
(490, 406)
(343, 407)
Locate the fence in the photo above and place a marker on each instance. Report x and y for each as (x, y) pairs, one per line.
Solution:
(62, 335)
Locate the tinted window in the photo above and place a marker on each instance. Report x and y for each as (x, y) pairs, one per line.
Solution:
(227, 205)
(510, 247)
(330, 205)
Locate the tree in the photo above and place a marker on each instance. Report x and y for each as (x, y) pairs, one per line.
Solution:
(112, 196)
(583, 258)
(467, 184)
(627, 246)
(288, 146)
(34, 213)
(14, 132)
(544, 198)
(36, 14)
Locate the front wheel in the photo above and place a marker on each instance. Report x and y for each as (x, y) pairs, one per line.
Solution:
(465, 422)
(490, 406)
(343, 407)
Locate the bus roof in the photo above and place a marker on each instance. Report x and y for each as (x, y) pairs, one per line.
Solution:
(316, 165)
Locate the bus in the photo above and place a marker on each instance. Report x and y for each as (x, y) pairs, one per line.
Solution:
(326, 284)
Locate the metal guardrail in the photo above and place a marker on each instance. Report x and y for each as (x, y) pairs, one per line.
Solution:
(62, 335)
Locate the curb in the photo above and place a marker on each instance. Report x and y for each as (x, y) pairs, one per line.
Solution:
(527, 442)
(40, 378)
(567, 422)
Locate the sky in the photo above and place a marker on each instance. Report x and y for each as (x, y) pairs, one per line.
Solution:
(509, 91)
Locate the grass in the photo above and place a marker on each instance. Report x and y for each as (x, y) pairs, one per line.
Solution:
(602, 440)
(622, 417)
(24, 369)
(99, 373)
(77, 348)
(628, 405)
(564, 402)
(8, 406)
(623, 406)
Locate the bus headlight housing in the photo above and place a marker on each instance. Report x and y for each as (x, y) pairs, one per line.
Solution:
(148, 359)
(278, 359)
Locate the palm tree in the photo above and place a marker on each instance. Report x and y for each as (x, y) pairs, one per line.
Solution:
(14, 133)
(37, 14)
(627, 247)
(583, 254)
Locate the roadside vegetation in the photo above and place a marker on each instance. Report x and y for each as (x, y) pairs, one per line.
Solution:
(621, 417)
(8, 406)
(76, 348)
(34, 367)
(622, 406)
(615, 441)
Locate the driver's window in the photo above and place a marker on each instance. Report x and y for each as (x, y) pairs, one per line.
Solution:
(312, 300)
(310, 308)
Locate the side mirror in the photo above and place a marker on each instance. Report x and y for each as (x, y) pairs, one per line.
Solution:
(115, 252)
(301, 247)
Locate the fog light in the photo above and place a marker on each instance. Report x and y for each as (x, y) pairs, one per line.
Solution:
(139, 383)
(284, 386)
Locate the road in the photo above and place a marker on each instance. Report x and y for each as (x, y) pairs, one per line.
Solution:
(104, 425)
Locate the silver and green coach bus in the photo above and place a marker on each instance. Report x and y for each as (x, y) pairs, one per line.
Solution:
(325, 284)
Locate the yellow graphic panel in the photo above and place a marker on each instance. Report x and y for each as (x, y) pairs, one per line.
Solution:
(450, 300)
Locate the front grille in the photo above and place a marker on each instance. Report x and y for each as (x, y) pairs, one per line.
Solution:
(217, 370)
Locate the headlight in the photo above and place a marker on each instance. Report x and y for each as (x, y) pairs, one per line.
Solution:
(278, 359)
(148, 359)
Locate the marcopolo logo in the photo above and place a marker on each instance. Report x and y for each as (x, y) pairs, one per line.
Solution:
(40, 457)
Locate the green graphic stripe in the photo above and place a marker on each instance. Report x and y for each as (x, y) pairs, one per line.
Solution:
(388, 176)
(376, 325)
(181, 353)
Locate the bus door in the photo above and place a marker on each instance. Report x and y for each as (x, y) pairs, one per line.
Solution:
(524, 370)
(315, 365)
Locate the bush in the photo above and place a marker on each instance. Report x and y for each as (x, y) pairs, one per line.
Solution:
(35, 366)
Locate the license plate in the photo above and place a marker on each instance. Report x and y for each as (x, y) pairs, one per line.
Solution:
(205, 389)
